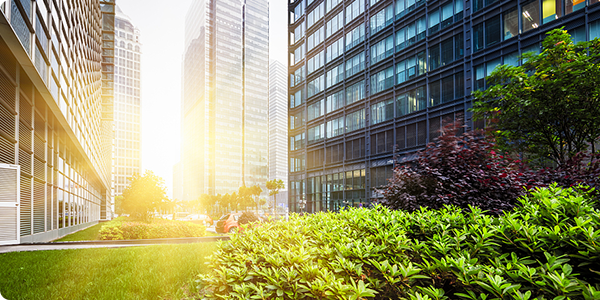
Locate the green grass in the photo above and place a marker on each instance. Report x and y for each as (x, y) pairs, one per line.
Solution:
(150, 272)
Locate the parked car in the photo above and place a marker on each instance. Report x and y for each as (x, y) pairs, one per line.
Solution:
(198, 219)
(228, 223)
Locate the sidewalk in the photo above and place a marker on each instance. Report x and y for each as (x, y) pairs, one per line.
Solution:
(108, 244)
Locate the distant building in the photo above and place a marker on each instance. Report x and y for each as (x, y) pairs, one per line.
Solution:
(278, 127)
(127, 143)
(225, 96)
(56, 109)
(177, 182)
(372, 81)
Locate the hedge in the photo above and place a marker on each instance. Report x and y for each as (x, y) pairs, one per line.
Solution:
(548, 247)
(133, 230)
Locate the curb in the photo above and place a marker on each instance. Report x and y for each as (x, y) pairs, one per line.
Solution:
(205, 239)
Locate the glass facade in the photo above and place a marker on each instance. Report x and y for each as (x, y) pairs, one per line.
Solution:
(422, 60)
(225, 75)
(56, 112)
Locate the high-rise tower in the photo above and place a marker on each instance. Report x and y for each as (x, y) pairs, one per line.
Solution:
(225, 96)
(278, 126)
(127, 109)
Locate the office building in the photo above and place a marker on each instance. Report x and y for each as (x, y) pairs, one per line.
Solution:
(278, 127)
(373, 81)
(56, 101)
(225, 96)
(127, 158)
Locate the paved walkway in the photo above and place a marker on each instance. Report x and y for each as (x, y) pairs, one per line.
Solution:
(107, 244)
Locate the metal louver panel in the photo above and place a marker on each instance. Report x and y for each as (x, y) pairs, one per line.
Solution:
(55, 207)
(8, 91)
(7, 151)
(25, 112)
(49, 208)
(25, 161)
(39, 169)
(7, 121)
(39, 201)
(24, 137)
(10, 66)
(25, 206)
(39, 148)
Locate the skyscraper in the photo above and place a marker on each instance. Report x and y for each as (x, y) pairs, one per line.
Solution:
(127, 158)
(278, 126)
(373, 81)
(225, 96)
(56, 101)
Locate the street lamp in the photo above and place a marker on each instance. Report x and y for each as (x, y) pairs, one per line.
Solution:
(345, 202)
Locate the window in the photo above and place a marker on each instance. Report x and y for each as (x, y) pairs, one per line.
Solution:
(573, 5)
(335, 49)
(334, 154)
(299, 54)
(297, 142)
(511, 59)
(335, 75)
(382, 111)
(335, 24)
(487, 33)
(354, 10)
(331, 4)
(316, 62)
(447, 14)
(511, 24)
(479, 4)
(380, 176)
(594, 30)
(411, 101)
(355, 64)
(297, 163)
(355, 120)
(382, 49)
(296, 120)
(335, 127)
(447, 89)
(551, 10)
(316, 86)
(410, 34)
(530, 17)
(315, 158)
(335, 101)
(298, 11)
(355, 37)
(482, 71)
(298, 76)
(382, 80)
(434, 21)
(315, 15)
(315, 110)
(411, 67)
(316, 38)
(296, 99)
(577, 34)
(382, 142)
(355, 149)
(382, 19)
(316, 133)
(355, 92)
(299, 32)
(446, 52)
(405, 6)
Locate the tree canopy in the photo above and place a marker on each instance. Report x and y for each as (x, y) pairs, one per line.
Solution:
(548, 107)
(144, 195)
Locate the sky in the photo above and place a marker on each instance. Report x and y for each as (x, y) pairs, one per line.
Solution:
(161, 26)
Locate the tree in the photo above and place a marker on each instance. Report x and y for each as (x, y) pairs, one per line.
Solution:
(550, 106)
(274, 186)
(144, 195)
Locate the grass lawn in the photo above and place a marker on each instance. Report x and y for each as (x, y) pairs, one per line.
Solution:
(150, 272)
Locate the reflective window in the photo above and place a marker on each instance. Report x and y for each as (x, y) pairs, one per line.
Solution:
(330, 4)
(316, 133)
(411, 67)
(316, 62)
(530, 17)
(405, 6)
(382, 49)
(316, 86)
(335, 49)
(316, 110)
(355, 37)
(335, 75)
(336, 23)
(297, 141)
(316, 38)
(335, 101)
(355, 120)
(511, 24)
(354, 10)
(411, 101)
(335, 127)
(315, 15)
(355, 64)
(382, 111)
(355, 92)
(382, 19)
(382, 80)
(299, 32)
(446, 52)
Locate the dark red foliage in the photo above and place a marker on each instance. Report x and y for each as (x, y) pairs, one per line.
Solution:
(459, 170)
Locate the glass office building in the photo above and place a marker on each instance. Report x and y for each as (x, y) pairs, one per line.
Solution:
(56, 100)
(278, 127)
(127, 158)
(225, 97)
(371, 82)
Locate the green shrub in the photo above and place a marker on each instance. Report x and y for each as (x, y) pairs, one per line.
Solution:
(132, 230)
(547, 248)
(247, 217)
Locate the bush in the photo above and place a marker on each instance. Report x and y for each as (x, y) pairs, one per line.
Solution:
(247, 217)
(547, 248)
(131, 230)
(461, 170)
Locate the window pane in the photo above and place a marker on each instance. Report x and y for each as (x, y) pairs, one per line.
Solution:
(478, 37)
(434, 93)
(492, 31)
(551, 10)
(531, 16)
(573, 5)
(511, 24)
